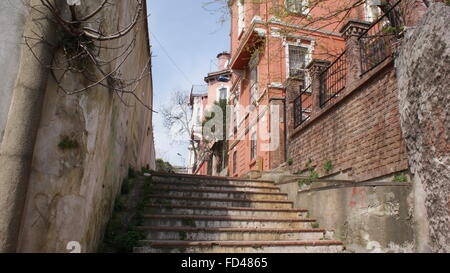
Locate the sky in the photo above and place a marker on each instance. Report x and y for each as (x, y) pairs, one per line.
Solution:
(185, 40)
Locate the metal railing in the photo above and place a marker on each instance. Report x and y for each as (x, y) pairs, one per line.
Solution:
(376, 42)
(333, 79)
(303, 106)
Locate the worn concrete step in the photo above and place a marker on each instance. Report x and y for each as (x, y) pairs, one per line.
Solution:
(174, 179)
(226, 222)
(202, 193)
(232, 234)
(224, 211)
(216, 186)
(218, 202)
(239, 247)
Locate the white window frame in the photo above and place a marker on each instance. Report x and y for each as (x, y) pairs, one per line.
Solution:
(308, 57)
(218, 92)
(253, 153)
(371, 11)
(253, 67)
(297, 6)
(235, 113)
(241, 16)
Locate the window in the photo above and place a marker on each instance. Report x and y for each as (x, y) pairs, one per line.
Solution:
(235, 162)
(297, 61)
(254, 79)
(223, 93)
(372, 10)
(253, 146)
(235, 113)
(297, 6)
(241, 16)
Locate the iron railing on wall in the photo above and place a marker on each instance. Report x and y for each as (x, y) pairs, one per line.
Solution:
(376, 42)
(303, 106)
(333, 79)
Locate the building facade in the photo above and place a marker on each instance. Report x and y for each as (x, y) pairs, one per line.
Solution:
(212, 152)
(272, 43)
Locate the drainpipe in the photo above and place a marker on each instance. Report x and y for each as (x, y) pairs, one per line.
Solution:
(16, 150)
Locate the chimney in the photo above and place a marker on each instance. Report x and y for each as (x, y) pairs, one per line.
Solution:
(223, 60)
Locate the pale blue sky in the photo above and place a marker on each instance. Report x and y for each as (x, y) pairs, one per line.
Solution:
(192, 37)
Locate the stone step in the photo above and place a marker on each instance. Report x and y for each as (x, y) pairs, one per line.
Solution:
(232, 234)
(219, 202)
(211, 180)
(202, 193)
(216, 186)
(239, 247)
(226, 222)
(224, 211)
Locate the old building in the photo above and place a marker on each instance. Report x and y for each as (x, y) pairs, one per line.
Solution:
(272, 43)
(213, 155)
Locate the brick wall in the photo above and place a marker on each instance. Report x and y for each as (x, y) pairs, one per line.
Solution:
(360, 132)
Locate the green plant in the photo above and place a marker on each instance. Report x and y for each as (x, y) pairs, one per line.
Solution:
(302, 182)
(163, 166)
(125, 242)
(315, 225)
(118, 204)
(67, 144)
(131, 173)
(328, 166)
(313, 175)
(183, 235)
(126, 186)
(290, 162)
(188, 222)
(402, 177)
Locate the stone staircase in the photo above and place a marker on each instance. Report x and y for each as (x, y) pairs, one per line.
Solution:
(203, 214)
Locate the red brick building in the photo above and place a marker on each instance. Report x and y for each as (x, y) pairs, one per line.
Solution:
(272, 43)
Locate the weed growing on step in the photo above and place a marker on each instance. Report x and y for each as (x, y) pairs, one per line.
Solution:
(118, 204)
(313, 174)
(126, 185)
(68, 144)
(126, 242)
(122, 233)
(188, 222)
(131, 173)
(290, 162)
(328, 166)
(183, 235)
(315, 225)
(402, 177)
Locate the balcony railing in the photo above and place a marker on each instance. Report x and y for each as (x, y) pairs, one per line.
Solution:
(333, 79)
(376, 42)
(302, 107)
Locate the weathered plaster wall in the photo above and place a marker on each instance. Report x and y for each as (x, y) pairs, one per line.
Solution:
(423, 73)
(72, 191)
(367, 219)
(12, 22)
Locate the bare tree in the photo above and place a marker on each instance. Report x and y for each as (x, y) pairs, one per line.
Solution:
(177, 117)
(83, 46)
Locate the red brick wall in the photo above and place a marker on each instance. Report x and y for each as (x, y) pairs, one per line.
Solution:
(362, 132)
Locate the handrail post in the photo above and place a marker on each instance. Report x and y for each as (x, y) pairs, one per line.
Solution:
(351, 32)
(315, 68)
